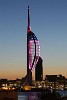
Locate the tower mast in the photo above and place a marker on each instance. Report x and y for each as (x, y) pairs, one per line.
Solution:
(29, 29)
(29, 73)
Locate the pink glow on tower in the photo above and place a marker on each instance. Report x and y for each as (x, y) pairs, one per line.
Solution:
(32, 56)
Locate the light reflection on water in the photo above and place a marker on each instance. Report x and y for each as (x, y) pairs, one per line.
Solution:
(63, 93)
(33, 95)
(28, 96)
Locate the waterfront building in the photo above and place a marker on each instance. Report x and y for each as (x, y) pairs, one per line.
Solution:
(55, 81)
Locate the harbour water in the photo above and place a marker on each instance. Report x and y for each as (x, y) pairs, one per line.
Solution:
(63, 93)
(34, 95)
(28, 96)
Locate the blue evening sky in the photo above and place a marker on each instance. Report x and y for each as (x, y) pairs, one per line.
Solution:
(48, 22)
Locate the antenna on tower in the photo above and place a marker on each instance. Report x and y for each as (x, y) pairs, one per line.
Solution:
(28, 2)
(29, 29)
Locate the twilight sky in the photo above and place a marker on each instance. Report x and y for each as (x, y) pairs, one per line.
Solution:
(48, 22)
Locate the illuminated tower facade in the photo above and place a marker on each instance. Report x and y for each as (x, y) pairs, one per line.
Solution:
(33, 51)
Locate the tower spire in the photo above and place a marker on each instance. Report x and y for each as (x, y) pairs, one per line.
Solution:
(29, 29)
